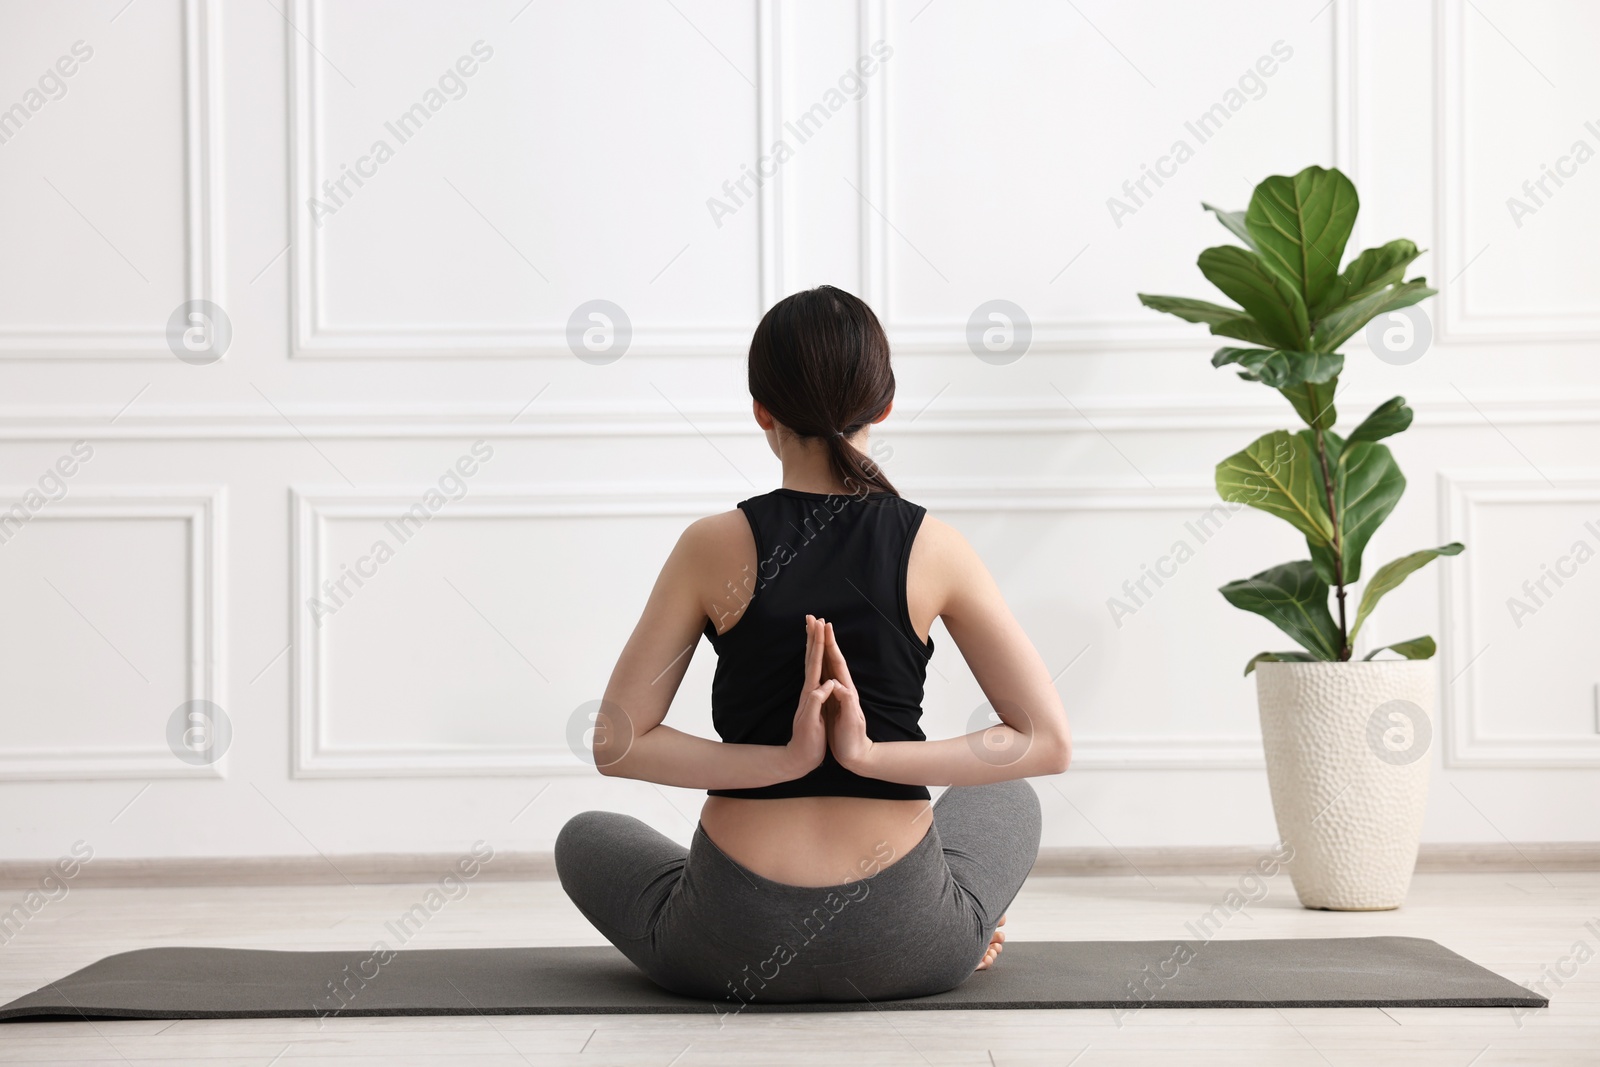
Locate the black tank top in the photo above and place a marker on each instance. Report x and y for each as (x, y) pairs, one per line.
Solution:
(842, 558)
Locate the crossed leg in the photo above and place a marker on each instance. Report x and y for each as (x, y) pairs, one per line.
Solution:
(990, 835)
(621, 873)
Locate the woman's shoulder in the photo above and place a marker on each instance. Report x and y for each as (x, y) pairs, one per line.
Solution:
(942, 560)
(715, 536)
(937, 539)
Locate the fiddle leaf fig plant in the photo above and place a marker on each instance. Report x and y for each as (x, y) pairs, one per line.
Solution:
(1295, 308)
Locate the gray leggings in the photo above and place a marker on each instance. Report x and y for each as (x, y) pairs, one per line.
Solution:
(699, 924)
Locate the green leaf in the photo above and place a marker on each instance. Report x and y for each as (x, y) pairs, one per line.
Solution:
(1275, 474)
(1374, 269)
(1386, 420)
(1367, 484)
(1278, 368)
(1242, 328)
(1341, 325)
(1391, 574)
(1370, 485)
(1224, 321)
(1416, 648)
(1301, 224)
(1268, 297)
(1234, 221)
(1313, 402)
(1296, 600)
(1190, 310)
(1277, 657)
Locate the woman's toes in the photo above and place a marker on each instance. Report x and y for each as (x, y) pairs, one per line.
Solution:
(996, 944)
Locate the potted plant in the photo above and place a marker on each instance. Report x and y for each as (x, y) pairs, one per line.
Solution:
(1344, 738)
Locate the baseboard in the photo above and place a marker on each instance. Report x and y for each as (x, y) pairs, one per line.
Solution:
(371, 869)
(1498, 856)
(418, 868)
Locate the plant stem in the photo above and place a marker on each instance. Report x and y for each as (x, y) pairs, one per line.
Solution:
(1338, 550)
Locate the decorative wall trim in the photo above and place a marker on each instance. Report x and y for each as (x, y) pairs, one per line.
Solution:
(311, 511)
(772, 45)
(202, 510)
(313, 508)
(872, 150)
(1458, 321)
(311, 337)
(1114, 751)
(399, 868)
(1349, 99)
(1168, 413)
(203, 235)
(1087, 334)
(1466, 744)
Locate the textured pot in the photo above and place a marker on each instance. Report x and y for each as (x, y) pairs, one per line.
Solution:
(1348, 747)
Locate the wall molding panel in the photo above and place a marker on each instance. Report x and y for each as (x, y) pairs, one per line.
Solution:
(313, 509)
(1061, 335)
(1151, 413)
(1468, 744)
(202, 510)
(1458, 319)
(1117, 751)
(203, 213)
(312, 337)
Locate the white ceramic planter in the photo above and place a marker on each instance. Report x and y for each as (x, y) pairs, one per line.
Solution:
(1348, 747)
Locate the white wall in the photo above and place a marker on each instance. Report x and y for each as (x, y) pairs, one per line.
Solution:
(373, 344)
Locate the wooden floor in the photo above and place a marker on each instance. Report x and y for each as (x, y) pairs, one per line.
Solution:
(1516, 924)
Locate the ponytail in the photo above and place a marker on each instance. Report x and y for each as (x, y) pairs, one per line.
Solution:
(858, 471)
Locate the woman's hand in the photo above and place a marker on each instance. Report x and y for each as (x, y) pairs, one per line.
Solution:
(847, 733)
(808, 742)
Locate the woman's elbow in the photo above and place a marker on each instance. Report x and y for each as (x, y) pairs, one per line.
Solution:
(614, 738)
(610, 759)
(1057, 754)
(617, 764)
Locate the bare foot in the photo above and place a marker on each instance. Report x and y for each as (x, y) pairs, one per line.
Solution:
(997, 941)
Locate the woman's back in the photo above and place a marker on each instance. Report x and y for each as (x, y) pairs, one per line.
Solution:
(843, 558)
(766, 566)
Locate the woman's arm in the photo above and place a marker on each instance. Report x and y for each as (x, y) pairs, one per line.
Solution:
(1032, 737)
(630, 740)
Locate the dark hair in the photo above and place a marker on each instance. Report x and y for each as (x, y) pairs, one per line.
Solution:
(819, 362)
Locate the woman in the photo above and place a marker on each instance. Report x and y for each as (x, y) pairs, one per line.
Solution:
(818, 870)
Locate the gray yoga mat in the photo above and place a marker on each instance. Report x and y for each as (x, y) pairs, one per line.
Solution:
(222, 983)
